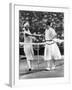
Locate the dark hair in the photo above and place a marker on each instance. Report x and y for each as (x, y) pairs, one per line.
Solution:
(48, 23)
(23, 23)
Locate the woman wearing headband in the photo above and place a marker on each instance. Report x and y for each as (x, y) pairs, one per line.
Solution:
(51, 52)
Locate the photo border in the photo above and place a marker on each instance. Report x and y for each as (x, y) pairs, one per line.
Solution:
(14, 64)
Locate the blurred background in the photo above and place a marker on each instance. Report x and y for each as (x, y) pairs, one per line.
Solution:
(37, 20)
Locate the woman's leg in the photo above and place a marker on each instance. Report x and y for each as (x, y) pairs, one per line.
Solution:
(29, 64)
(53, 64)
(48, 65)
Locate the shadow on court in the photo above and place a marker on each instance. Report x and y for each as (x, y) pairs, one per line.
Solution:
(39, 69)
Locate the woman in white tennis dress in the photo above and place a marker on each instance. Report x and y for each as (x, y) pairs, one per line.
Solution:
(28, 47)
(51, 52)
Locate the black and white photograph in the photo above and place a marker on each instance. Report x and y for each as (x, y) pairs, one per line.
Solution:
(41, 44)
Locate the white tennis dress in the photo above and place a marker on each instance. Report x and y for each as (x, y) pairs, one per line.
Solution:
(51, 51)
(28, 48)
